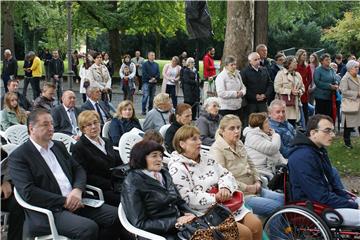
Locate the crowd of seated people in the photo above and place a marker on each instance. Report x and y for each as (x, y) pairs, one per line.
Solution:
(168, 198)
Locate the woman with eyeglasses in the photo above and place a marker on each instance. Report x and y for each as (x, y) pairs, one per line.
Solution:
(96, 155)
(230, 88)
(190, 85)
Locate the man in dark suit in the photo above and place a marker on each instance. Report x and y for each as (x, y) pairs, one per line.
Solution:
(94, 103)
(46, 176)
(65, 115)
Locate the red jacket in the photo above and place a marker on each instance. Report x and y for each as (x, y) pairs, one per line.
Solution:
(305, 72)
(209, 67)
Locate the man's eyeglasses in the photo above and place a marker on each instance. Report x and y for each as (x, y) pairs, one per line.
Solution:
(328, 131)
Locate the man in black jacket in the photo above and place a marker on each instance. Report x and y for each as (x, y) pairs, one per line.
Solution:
(46, 176)
(9, 69)
(259, 86)
(56, 73)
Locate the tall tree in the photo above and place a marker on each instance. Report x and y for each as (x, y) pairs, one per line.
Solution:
(7, 13)
(261, 23)
(239, 37)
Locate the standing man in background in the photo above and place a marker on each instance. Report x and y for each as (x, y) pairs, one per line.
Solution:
(138, 61)
(151, 74)
(9, 69)
(36, 70)
(56, 73)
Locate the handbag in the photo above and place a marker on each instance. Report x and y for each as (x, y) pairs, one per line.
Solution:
(216, 224)
(118, 175)
(349, 105)
(289, 99)
(234, 203)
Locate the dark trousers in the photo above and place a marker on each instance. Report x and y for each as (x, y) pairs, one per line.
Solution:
(16, 218)
(238, 112)
(253, 108)
(171, 90)
(59, 87)
(138, 80)
(347, 133)
(26, 84)
(323, 107)
(84, 97)
(5, 79)
(338, 114)
(35, 85)
(305, 108)
(128, 93)
(149, 90)
(86, 223)
(194, 109)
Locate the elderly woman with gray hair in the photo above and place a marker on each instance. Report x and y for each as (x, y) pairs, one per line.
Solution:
(350, 88)
(208, 121)
(230, 88)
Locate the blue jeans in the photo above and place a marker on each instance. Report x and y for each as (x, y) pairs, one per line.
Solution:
(266, 203)
(149, 90)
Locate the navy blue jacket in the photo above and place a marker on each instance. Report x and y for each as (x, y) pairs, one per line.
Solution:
(120, 126)
(312, 177)
(150, 70)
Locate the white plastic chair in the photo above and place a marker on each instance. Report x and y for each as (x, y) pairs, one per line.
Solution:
(17, 134)
(9, 148)
(127, 141)
(141, 121)
(105, 130)
(163, 129)
(2, 134)
(66, 139)
(138, 232)
(54, 233)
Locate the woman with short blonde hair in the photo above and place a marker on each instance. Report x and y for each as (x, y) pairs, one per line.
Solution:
(96, 155)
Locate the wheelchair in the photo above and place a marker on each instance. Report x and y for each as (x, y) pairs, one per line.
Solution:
(306, 220)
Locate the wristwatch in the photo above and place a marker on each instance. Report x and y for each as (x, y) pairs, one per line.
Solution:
(178, 225)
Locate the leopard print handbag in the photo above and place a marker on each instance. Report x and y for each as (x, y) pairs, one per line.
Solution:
(217, 223)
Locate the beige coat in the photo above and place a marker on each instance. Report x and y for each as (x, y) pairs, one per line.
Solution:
(236, 161)
(350, 89)
(283, 84)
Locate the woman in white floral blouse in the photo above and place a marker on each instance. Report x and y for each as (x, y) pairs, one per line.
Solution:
(194, 175)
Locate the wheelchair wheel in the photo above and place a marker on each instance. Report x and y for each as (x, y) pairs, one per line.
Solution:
(294, 222)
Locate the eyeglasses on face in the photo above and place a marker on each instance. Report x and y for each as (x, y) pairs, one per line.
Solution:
(329, 131)
(92, 123)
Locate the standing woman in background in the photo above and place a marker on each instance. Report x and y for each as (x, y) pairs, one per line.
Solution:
(190, 86)
(84, 72)
(289, 87)
(171, 76)
(313, 63)
(350, 88)
(110, 67)
(305, 71)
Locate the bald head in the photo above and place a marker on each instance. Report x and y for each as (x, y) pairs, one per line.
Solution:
(254, 59)
(69, 99)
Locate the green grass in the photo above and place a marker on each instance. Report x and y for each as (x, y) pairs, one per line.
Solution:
(116, 74)
(347, 161)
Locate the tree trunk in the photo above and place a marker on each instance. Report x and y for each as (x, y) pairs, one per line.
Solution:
(7, 12)
(114, 42)
(157, 45)
(239, 37)
(261, 23)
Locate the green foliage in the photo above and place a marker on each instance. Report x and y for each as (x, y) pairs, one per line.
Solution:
(218, 14)
(347, 161)
(346, 33)
(159, 17)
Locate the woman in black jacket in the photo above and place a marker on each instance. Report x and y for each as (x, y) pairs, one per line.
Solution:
(96, 156)
(150, 199)
(182, 116)
(190, 85)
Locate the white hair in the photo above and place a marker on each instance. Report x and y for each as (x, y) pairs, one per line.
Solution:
(211, 100)
(7, 51)
(190, 59)
(351, 64)
(252, 55)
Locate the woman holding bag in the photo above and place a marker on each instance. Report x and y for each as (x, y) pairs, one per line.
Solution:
(289, 87)
(350, 88)
(195, 176)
